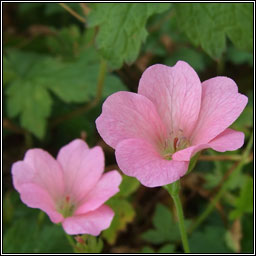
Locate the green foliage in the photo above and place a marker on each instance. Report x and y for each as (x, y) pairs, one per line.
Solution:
(35, 74)
(208, 25)
(165, 229)
(244, 202)
(168, 248)
(248, 234)
(124, 211)
(88, 244)
(122, 29)
(25, 237)
(239, 57)
(210, 240)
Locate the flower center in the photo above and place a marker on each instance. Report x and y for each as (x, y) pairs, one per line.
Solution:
(66, 207)
(174, 144)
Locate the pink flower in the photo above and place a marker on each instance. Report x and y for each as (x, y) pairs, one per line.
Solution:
(71, 189)
(173, 116)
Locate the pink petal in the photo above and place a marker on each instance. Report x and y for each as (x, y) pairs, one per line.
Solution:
(44, 171)
(103, 190)
(137, 158)
(36, 197)
(82, 168)
(221, 106)
(129, 115)
(90, 223)
(187, 153)
(76, 148)
(176, 93)
(228, 140)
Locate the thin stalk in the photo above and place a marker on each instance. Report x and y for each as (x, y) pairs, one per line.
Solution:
(72, 12)
(173, 190)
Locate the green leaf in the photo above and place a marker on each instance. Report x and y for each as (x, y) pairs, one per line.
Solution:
(35, 74)
(128, 186)
(32, 102)
(124, 214)
(195, 58)
(77, 81)
(208, 24)
(165, 229)
(25, 237)
(244, 203)
(239, 57)
(248, 233)
(210, 240)
(168, 248)
(122, 29)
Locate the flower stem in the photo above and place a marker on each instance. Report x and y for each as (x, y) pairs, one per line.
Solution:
(72, 12)
(173, 190)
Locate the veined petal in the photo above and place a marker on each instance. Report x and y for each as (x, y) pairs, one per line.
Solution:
(106, 187)
(82, 168)
(129, 115)
(90, 223)
(44, 171)
(138, 158)
(221, 106)
(176, 93)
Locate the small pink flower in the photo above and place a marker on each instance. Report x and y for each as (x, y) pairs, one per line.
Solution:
(173, 116)
(71, 189)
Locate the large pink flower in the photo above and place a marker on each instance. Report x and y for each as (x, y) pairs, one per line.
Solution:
(173, 116)
(71, 190)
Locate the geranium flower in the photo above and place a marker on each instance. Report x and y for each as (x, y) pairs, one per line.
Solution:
(71, 189)
(157, 131)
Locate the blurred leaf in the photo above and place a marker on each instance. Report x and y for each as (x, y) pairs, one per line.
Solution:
(147, 249)
(69, 42)
(248, 233)
(233, 236)
(77, 81)
(8, 73)
(168, 248)
(88, 244)
(208, 24)
(32, 102)
(210, 240)
(128, 186)
(124, 211)
(48, 8)
(244, 203)
(35, 73)
(165, 228)
(122, 29)
(25, 237)
(124, 214)
(239, 57)
(195, 58)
